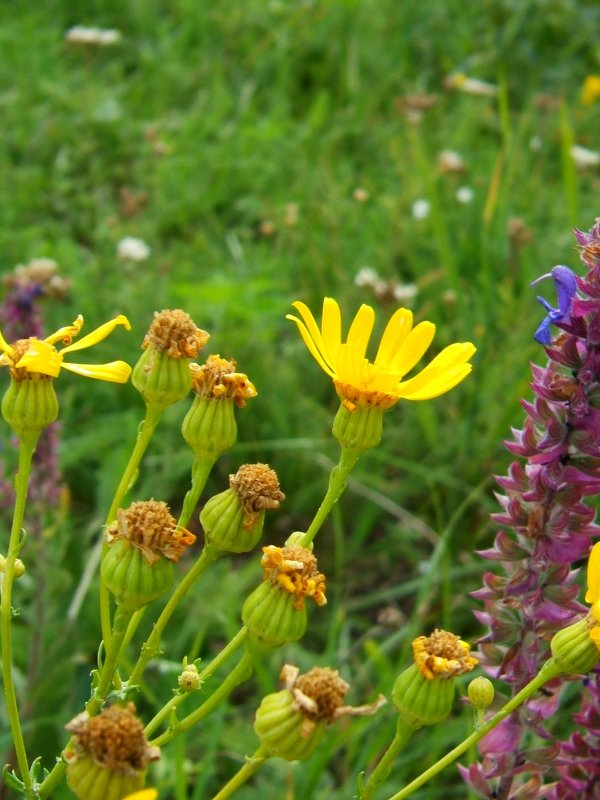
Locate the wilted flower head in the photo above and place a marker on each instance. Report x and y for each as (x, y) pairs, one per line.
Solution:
(294, 569)
(442, 654)
(149, 526)
(217, 379)
(174, 333)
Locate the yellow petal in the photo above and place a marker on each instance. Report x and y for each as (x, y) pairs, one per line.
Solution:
(4, 345)
(394, 334)
(115, 371)
(413, 348)
(331, 329)
(360, 329)
(41, 357)
(593, 575)
(312, 337)
(446, 370)
(66, 334)
(98, 335)
(144, 794)
(351, 366)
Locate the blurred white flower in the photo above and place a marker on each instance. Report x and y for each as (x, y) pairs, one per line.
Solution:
(535, 143)
(130, 248)
(404, 292)
(366, 276)
(80, 34)
(465, 194)
(451, 161)
(461, 82)
(421, 209)
(584, 158)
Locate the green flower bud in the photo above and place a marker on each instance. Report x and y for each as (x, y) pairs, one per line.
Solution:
(110, 755)
(279, 726)
(422, 701)
(30, 405)
(481, 692)
(233, 520)
(275, 612)
(133, 581)
(573, 649)
(162, 374)
(359, 429)
(189, 680)
(137, 564)
(210, 427)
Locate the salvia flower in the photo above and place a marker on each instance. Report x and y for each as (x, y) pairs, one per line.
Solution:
(109, 756)
(40, 356)
(566, 287)
(424, 693)
(531, 598)
(360, 382)
(290, 723)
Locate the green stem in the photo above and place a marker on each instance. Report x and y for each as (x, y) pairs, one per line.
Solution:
(152, 645)
(145, 432)
(175, 701)
(549, 670)
(240, 673)
(338, 479)
(26, 450)
(252, 765)
(108, 669)
(200, 471)
(404, 731)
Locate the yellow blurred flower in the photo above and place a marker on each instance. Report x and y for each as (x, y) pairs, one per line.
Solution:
(144, 794)
(363, 383)
(40, 356)
(593, 591)
(590, 91)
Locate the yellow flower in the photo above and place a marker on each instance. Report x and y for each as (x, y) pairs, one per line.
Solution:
(145, 794)
(31, 356)
(360, 382)
(590, 91)
(593, 592)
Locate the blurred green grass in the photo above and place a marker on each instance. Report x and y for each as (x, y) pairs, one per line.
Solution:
(196, 132)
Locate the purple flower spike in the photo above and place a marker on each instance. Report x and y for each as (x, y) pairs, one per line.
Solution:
(566, 287)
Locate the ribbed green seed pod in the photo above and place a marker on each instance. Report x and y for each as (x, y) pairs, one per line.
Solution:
(130, 577)
(360, 429)
(271, 618)
(573, 648)
(279, 725)
(209, 427)
(225, 523)
(422, 701)
(90, 781)
(161, 379)
(30, 405)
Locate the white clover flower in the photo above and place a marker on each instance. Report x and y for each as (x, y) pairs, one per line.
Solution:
(451, 161)
(583, 157)
(421, 209)
(131, 248)
(405, 292)
(465, 195)
(366, 276)
(103, 37)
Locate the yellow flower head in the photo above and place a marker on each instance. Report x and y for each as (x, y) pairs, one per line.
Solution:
(360, 382)
(593, 592)
(33, 356)
(590, 91)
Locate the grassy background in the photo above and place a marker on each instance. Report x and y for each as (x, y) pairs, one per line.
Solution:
(196, 132)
